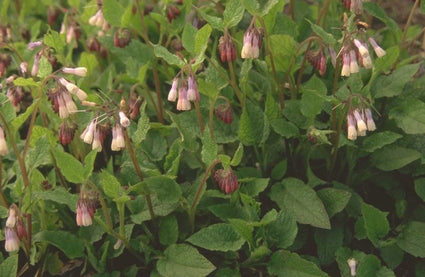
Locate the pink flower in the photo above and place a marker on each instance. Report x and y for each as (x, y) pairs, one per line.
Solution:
(12, 240)
(227, 180)
(79, 71)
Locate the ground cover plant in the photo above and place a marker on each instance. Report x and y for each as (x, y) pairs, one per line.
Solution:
(212, 138)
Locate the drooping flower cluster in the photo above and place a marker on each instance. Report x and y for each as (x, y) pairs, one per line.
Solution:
(173, 11)
(356, 53)
(226, 179)
(226, 48)
(358, 122)
(224, 111)
(86, 207)
(71, 29)
(66, 133)
(184, 91)
(318, 60)
(15, 229)
(98, 19)
(251, 42)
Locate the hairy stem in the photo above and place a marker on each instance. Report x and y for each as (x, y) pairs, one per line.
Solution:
(138, 171)
(234, 85)
(409, 21)
(198, 114)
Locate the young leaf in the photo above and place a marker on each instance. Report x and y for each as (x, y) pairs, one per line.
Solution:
(110, 184)
(209, 148)
(162, 52)
(237, 157)
(301, 201)
(112, 11)
(9, 267)
(54, 40)
(168, 230)
(188, 38)
(328, 38)
(45, 68)
(217, 237)
(201, 42)
(183, 260)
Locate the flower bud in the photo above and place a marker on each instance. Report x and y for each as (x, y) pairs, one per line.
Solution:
(352, 263)
(79, 71)
(172, 95)
(378, 50)
(12, 217)
(183, 104)
(225, 113)
(227, 180)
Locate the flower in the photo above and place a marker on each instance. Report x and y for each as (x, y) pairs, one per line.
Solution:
(172, 95)
(66, 133)
(84, 217)
(79, 71)
(88, 133)
(12, 240)
(369, 120)
(183, 104)
(3, 145)
(251, 43)
(24, 67)
(354, 67)
(378, 50)
(351, 124)
(364, 53)
(34, 44)
(192, 90)
(124, 121)
(118, 142)
(227, 48)
(352, 263)
(345, 65)
(12, 217)
(225, 113)
(20, 228)
(361, 125)
(227, 180)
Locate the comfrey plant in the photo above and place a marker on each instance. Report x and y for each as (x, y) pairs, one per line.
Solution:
(212, 138)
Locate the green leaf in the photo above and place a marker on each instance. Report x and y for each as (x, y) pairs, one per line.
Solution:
(393, 157)
(166, 189)
(284, 128)
(233, 13)
(253, 125)
(379, 140)
(143, 126)
(9, 267)
(270, 5)
(386, 62)
(155, 145)
(110, 184)
(243, 228)
(209, 148)
(39, 155)
(69, 244)
(393, 85)
(312, 99)
(375, 10)
(25, 82)
(70, 167)
(279, 171)
(45, 68)
(217, 237)
(420, 188)
(59, 195)
(168, 230)
(283, 48)
(253, 186)
(237, 157)
(409, 115)
(251, 5)
(327, 37)
(6, 109)
(188, 38)
(113, 11)
(368, 266)
(392, 255)
(328, 242)
(301, 201)
(412, 239)
(284, 263)
(54, 40)
(283, 231)
(385, 272)
(214, 21)
(201, 42)
(172, 160)
(89, 163)
(20, 119)
(162, 52)
(334, 200)
(183, 260)
(376, 223)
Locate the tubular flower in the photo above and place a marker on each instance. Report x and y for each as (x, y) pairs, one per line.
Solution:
(227, 180)
(12, 240)
(351, 124)
(378, 50)
(3, 145)
(79, 71)
(251, 43)
(352, 263)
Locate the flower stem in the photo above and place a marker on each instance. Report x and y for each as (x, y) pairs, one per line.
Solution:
(138, 171)
(234, 85)
(198, 193)
(198, 114)
(409, 21)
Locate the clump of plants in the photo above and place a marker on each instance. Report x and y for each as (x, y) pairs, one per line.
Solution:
(226, 138)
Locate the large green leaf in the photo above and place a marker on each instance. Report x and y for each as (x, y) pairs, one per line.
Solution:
(379, 140)
(375, 222)
(375, 10)
(188, 37)
(420, 188)
(393, 85)
(328, 242)
(166, 189)
(233, 13)
(312, 99)
(219, 237)
(409, 115)
(70, 167)
(209, 148)
(69, 244)
(183, 260)
(110, 184)
(253, 125)
(284, 263)
(412, 239)
(394, 157)
(162, 52)
(168, 230)
(112, 11)
(301, 201)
